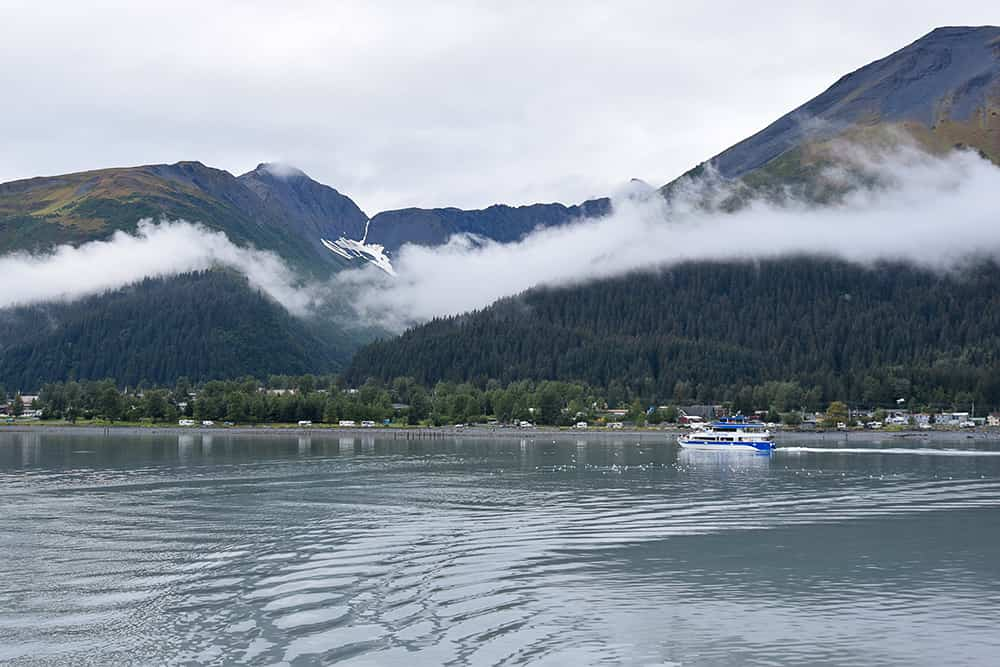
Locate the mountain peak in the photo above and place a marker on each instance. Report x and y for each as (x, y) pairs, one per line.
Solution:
(945, 84)
(320, 211)
(962, 31)
(279, 170)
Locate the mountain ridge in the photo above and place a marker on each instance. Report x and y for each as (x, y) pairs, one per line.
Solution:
(942, 90)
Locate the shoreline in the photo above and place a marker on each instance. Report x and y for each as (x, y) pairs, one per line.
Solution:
(437, 433)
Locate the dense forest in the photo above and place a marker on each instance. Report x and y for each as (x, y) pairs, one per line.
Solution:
(205, 325)
(712, 332)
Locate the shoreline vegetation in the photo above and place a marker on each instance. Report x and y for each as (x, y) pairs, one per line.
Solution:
(667, 434)
(406, 409)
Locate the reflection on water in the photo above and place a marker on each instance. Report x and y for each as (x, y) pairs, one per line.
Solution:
(304, 549)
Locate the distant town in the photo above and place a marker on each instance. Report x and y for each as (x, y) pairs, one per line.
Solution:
(310, 407)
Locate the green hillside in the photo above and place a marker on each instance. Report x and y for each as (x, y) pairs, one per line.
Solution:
(204, 326)
(707, 331)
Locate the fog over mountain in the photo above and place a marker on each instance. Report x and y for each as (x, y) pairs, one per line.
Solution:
(159, 249)
(908, 205)
(905, 203)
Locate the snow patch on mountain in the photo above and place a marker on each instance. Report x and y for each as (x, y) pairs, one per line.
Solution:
(372, 253)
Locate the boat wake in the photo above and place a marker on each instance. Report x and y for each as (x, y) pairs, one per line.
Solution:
(889, 450)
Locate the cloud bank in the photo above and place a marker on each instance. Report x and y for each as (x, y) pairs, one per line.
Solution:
(164, 249)
(933, 210)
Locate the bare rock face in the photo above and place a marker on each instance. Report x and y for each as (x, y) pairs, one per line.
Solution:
(318, 210)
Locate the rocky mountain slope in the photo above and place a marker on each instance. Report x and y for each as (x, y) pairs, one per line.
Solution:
(501, 223)
(942, 91)
(285, 212)
(274, 207)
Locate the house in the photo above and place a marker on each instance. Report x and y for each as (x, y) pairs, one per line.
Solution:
(706, 412)
(952, 418)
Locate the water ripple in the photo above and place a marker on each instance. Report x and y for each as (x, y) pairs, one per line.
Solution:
(613, 554)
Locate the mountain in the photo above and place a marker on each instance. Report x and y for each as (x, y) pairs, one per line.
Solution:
(204, 326)
(844, 330)
(504, 224)
(285, 212)
(273, 207)
(314, 228)
(707, 330)
(316, 210)
(943, 91)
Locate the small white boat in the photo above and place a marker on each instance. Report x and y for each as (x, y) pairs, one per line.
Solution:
(731, 434)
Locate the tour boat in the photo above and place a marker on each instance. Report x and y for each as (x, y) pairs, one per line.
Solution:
(731, 434)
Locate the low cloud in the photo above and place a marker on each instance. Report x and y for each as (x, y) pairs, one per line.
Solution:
(932, 210)
(282, 170)
(155, 249)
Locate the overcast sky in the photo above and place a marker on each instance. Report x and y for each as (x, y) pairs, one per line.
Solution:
(428, 104)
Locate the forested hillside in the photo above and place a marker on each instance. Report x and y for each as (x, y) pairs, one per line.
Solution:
(207, 325)
(706, 331)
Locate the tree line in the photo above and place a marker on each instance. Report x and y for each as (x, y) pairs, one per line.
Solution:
(327, 399)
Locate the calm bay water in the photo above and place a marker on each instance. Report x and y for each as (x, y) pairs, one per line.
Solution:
(215, 549)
